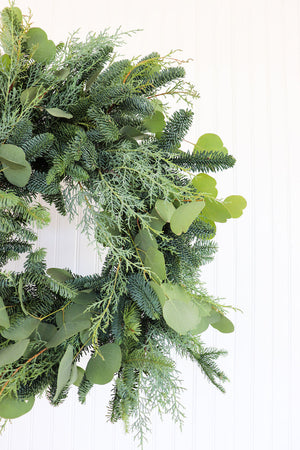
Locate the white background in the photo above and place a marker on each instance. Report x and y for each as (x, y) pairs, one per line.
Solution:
(247, 69)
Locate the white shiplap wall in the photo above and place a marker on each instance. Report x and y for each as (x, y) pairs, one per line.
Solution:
(247, 69)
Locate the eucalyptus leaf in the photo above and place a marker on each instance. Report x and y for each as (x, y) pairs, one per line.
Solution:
(4, 319)
(60, 275)
(215, 210)
(102, 367)
(154, 259)
(179, 311)
(17, 177)
(72, 313)
(68, 330)
(30, 94)
(5, 63)
(62, 74)
(144, 240)
(74, 374)
(86, 298)
(165, 209)
(205, 184)
(12, 156)
(46, 331)
(21, 329)
(80, 375)
(224, 325)
(159, 292)
(185, 215)
(210, 142)
(64, 371)
(235, 205)
(202, 326)
(156, 123)
(13, 352)
(156, 223)
(56, 112)
(11, 407)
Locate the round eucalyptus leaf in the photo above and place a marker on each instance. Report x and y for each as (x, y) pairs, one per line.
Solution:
(86, 298)
(12, 156)
(21, 329)
(30, 94)
(235, 205)
(179, 310)
(56, 112)
(5, 63)
(102, 367)
(72, 313)
(62, 74)
(159, 292)
(224, 325)
(202, 326)
(185, 215)
(209, 142)
(144, 240)
(205, 184)
(60, 275)
(215, 210)
(165, 209)
(11, 407)
(154, 259)
(35, 36)
(13, 352)
(4, 318)
(68, 330)
(156, 223)
(46, 331)
(45, 52)
(156, 123)
(80, 375)
(18, 177)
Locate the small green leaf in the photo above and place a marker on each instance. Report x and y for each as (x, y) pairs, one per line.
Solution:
(45, 331)
(4, 319)
(215, 210)
(34, 36)
(17, 177)
(56, 112)
(80, 375)
(144, 240)
(235, 205)
(13, 352)
(43, 51)
(102, 367)
(60, 275)
(156, 123)
(86, 298)
(62, 74)
(5, 63)
(30, 94)
(179, 310)
(185, 215)
(11, 407)
(154, 259)
(156, 223)
(210, 142)
(12, 156)
(68, 330)
(132, 132)
(165, 209)
(203, 324)
(64, 371)
(72, 313)
(21, 329)
(159, 292)
(224, 325)
(205, 184)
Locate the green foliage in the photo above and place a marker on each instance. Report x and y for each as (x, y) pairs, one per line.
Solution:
(80, 129)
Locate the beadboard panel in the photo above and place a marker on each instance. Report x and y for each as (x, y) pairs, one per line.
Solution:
(246, 65)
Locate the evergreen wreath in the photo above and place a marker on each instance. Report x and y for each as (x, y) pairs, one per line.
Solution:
(80, 128)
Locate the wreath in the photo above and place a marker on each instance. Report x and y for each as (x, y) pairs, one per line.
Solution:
(82, 128)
